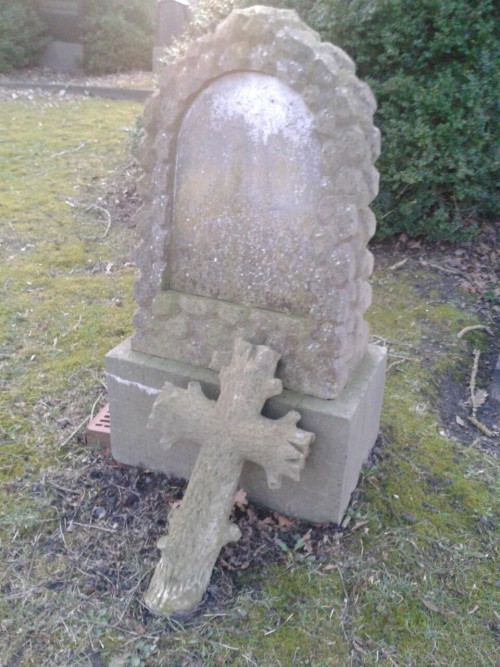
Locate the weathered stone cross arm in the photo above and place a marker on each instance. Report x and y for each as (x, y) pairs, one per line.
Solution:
(235, 422)
(230, 430)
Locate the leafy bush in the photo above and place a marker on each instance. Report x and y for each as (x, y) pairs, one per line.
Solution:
(432, 65)
(23, 35)
(118, 35)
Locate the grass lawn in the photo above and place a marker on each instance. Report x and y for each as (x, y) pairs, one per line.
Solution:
(411, 581)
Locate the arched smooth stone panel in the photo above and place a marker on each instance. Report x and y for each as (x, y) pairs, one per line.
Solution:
(247, 174)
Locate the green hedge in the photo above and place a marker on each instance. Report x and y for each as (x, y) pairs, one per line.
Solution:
(23, 35)
(118, 35)
(433, 67)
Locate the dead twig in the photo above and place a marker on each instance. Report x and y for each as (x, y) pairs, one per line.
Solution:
(474, 327)
(96, 207)
(398, 265)
(62, 488)
(386, 342)
(73, 328)
(73, 433)
(396, 363)
(81, 424)
(472, 381)
(474, 398)
(93, 526)
(270, 632)
(73, 150)
(480, 426)
(444, 269)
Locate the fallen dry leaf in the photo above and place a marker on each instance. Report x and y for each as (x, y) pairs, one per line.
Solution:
(480, 397)
(283, 521)
(431, 606)
(240, 499)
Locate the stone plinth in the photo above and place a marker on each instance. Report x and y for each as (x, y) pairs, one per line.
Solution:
(345, 430)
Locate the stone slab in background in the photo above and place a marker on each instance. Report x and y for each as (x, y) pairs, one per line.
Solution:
(495, 386)
(63, 57)
(64, 20)
(345, 430)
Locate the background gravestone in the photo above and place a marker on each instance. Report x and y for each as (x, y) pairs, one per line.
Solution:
(171, 19)
(64, 19)
(258, 173)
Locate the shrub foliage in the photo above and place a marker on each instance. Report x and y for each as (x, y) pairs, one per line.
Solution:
(432, 65)
(118, 35)
(23, 35)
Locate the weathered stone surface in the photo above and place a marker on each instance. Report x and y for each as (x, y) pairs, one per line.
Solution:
(495, 385)
(258, 164)
(230, 430)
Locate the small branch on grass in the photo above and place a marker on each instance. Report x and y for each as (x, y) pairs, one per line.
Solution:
(396, 363)
(131, 595)
(472, 382)
(73, 433)
(480, 426)
(81, 424)
(280, 625)
(94, 527)
(62, 488)
(475, 327)
(386, 342)
(475, 403)
(398, 265)
(95, 207)
(73, 150)
(73, 328)
(444, 269)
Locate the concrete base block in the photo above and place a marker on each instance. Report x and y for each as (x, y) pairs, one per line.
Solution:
(346, 429)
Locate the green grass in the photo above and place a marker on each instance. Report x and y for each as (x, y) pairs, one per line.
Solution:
(413, 581)
(59, 286)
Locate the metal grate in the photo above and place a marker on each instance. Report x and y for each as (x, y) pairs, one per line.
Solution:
(98, 429)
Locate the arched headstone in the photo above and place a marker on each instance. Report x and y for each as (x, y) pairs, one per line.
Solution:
(258, 175)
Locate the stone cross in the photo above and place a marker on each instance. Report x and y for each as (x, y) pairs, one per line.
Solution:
(231, 430)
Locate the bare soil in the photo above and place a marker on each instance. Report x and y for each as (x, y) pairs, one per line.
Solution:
(465, 274)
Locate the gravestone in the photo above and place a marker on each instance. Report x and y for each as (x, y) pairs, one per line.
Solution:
(64, 20)
(258, 174)
(172, 17)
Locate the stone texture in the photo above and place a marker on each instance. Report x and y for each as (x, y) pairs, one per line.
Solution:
(230, 431)
(63, 57)
(172, 17)
(495, 385)
(345, 430)
(258, 172)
